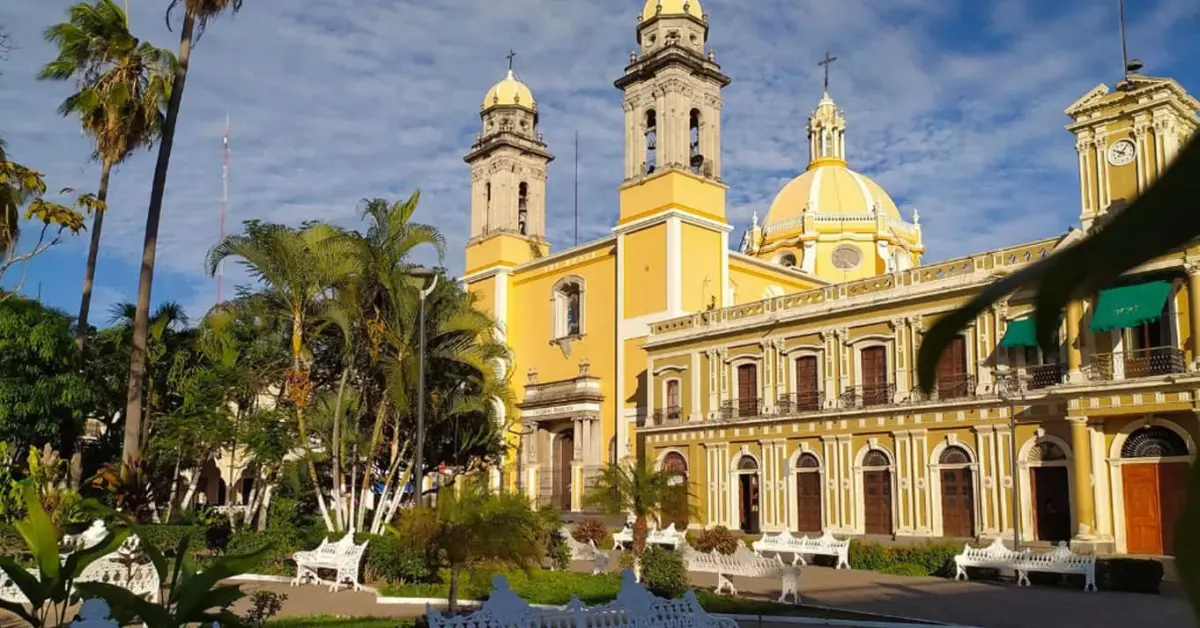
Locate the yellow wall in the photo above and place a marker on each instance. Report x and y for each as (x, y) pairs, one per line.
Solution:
(672, 189)
(646, 271)
(751, 280)
(700, 267)
(868, 267)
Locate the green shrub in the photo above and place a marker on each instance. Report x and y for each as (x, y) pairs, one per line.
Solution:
(592, 530)
(275, 563)
(905, 569)
(1135, 575)
(558, 552)
(934, 559)
(217, 535)
(394, 559)
(166, 537)
(626, 560)
(718, 538)
(663, 572)
(869, 556)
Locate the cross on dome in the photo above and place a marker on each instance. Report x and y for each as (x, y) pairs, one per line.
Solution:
(826, 62)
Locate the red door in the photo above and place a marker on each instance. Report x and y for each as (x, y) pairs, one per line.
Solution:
(807, 397)
(747, 390)
(958, 512)
(1143, 511)
(874, 371)
(952, 370)
(877, 489)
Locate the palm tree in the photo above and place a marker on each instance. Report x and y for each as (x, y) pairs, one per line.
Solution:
(123, 84)
(301, 268)
(636, 490)
(196, 15)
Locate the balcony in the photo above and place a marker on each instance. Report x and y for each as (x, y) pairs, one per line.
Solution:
(868, 396)
(1153, 362)
(741, 409)
(669, 415)
(796, 403)
(1041, 376)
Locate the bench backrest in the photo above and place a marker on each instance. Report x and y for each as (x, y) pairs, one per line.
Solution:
(1061, 557)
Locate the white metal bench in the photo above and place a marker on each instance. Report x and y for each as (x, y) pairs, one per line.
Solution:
(342, 557)
(635, 607)
(669, 537)
(825, 545)
(124, 567)
(586, 552)
(994, 556)
(743, 562)
(1059, 560)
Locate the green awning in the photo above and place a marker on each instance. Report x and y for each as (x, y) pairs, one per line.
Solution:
(1021, 332)
(1130, 306)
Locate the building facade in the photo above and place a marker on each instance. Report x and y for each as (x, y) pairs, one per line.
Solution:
(780, 376)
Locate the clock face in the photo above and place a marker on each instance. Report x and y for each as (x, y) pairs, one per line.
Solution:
(1121, 152)
(846, 257)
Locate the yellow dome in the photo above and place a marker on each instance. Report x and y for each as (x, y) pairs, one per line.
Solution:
(509, 91)
(672, 7)
(830, 189)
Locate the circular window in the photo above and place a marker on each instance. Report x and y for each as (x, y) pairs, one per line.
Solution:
(846, 257)
(788, 260)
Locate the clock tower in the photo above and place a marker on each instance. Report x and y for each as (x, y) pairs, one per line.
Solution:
(1126, 137)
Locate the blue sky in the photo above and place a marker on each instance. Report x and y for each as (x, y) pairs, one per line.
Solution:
(955, 107)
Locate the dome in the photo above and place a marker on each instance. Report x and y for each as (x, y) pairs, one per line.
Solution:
(509, 91)
(672, 7)
(829, 189)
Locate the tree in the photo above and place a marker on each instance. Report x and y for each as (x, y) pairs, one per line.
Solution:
(21, 186)
(196, 16)
(122, 86)
(472, 527)
(43, 396)
(637, 490)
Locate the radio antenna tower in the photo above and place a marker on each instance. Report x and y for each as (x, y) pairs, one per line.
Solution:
(224, 203)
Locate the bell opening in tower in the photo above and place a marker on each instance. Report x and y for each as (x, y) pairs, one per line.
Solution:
(523, 208)
(651, 141)
(697, 159)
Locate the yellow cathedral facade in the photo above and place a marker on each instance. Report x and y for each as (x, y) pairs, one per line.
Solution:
(779, 376)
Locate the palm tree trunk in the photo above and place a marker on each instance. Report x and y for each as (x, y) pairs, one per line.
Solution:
(89, 272)
(452, 593)
(132, 447)
(174, 489)
(342, 511)
(193, 483)
(302, 424)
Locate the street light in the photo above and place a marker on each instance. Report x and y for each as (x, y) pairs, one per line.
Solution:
(418, 462)
(1003, 382)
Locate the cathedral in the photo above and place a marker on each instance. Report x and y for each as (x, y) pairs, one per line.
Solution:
(778, 376)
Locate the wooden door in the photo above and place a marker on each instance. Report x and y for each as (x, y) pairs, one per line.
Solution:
(748, 502)
(952, 370)
(564, 454)
(747, 390)
(874, 372)
(958, 507)
(1052, 503)
(877, 498)
(807, 396)
(672, 399)
(1143, 510)
(808, 501)
(1172, 487)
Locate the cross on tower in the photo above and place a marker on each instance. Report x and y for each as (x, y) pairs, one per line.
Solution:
(829, 59)
(511, 55)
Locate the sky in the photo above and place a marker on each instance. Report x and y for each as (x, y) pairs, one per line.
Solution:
(954, 106)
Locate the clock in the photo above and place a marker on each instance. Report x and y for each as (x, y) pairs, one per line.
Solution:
(1121, 152)
(846, 257)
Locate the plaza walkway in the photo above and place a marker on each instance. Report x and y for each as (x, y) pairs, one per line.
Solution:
(983, 604)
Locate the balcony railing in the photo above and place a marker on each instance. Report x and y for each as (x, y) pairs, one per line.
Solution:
(741, 409)
(1156, 361)
(1040, 376)
(795, 403)
(667, 416)
(868, 396)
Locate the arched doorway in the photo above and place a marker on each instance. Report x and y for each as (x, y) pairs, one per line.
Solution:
(808, 494)
(958, 492)
(748, 497)
(1154, 475)
(564, 454)
(1050, 491)
(877, 493)
(675, 508)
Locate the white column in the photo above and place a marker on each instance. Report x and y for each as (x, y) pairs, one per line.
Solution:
(651, 388)
(697, 412)
(833, 480)
(901, 358)
(1081, 150)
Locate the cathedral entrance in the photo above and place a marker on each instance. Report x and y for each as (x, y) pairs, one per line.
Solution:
(564, 455)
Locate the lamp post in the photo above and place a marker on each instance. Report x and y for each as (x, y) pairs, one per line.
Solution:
(418, 476)
(1012, 383)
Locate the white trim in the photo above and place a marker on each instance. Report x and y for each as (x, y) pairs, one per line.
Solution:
(500, 305)
(859, 515)
(674, 265)
(670, 367)
(937, 517)
(792, 495)
(484, 274)
(725, 300)
(619, 413)
(560, 304)
(742, 360)
(735, 486)
(687, 217)
(662, 456)
(1025, 468)
(1115, 462)
(696, 409)
(639, 327)
(662, 385)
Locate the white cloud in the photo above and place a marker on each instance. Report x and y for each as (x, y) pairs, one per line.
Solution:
(954, 107)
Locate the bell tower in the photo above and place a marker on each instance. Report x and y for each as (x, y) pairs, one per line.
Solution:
(1126, 137)
(672, 106)
(508, 163)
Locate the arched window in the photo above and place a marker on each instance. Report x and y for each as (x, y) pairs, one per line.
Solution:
(747, 463)
(1154, 441)
(697, 159)
(954, 456)
(1046, 451)
(788, 260)
(651, 140)
(807, 463)
(568, 308)
(875, 459)
(523, 207)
